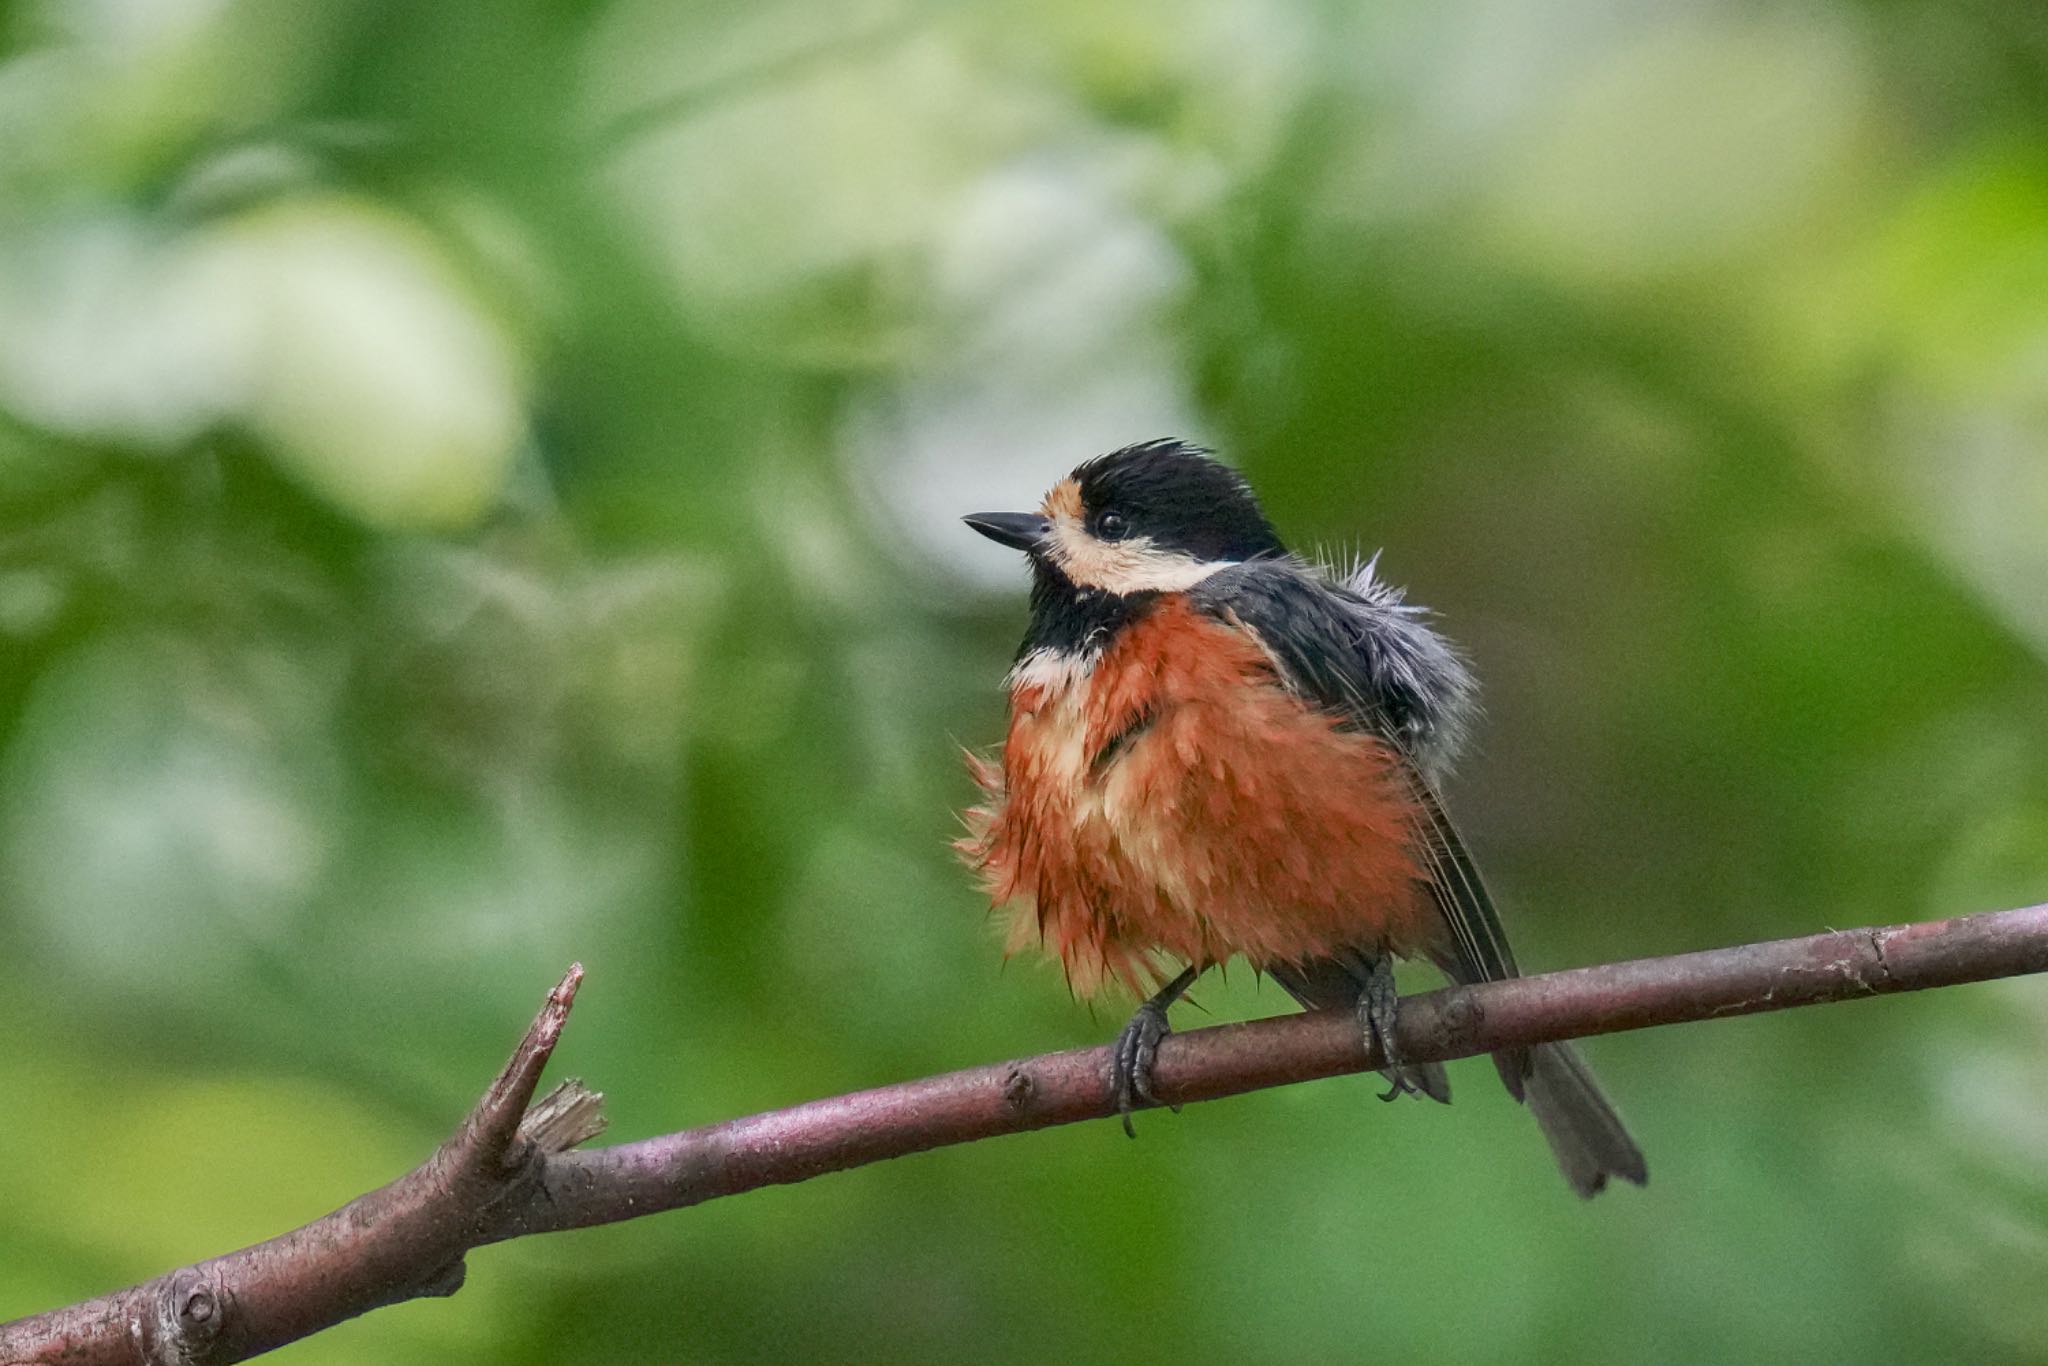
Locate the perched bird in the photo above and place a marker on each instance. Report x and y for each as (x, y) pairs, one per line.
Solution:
(1218, 749)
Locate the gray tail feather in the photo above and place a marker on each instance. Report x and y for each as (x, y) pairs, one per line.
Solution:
(1589, 1139)
(1426, 1079)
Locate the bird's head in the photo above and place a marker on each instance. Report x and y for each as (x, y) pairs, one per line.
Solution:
(1153, 518)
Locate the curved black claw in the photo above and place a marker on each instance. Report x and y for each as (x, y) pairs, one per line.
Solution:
(1398, 1084)
(1379, 1006)
(1136, 1050)
(1132, 1059)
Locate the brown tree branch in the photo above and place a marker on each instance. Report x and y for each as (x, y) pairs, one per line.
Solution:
(508, 1170)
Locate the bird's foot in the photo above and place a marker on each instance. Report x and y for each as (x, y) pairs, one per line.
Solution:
(1136, 1051)
(1132, 1059)
(1379, 1007)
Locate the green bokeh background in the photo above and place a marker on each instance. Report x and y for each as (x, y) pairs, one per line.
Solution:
(479, 489)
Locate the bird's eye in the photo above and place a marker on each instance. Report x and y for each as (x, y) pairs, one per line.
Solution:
(1111, 526)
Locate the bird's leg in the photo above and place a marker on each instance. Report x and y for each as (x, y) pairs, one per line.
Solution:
(1136, 1049)
(1379, 1007)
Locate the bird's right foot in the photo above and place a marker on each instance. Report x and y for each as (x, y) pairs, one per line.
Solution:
(1136, 1051)
(1132, 1058)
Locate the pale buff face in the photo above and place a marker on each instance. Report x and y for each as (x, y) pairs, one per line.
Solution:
(1131, 565)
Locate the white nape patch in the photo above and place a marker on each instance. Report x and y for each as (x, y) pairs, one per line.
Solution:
(1124, 567)
(1055, 671)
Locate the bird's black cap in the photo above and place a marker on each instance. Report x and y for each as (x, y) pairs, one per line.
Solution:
(1181, 497)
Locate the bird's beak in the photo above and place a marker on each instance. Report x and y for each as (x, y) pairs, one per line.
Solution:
(1018, 530)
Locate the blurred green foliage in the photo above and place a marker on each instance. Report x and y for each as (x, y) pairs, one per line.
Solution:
(478, 488)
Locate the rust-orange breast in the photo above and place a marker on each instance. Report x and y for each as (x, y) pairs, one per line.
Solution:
(1176, 801)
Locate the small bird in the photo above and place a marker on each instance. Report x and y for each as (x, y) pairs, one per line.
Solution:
(1219, 749)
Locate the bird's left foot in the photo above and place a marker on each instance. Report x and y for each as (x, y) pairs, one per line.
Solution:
(1379, 1008)
(1136, 1051)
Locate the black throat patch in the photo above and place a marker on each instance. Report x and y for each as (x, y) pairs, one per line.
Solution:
(1070, 620)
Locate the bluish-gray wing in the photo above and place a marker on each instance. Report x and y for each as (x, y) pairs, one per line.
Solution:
(1371, 662)
(1378, 668)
